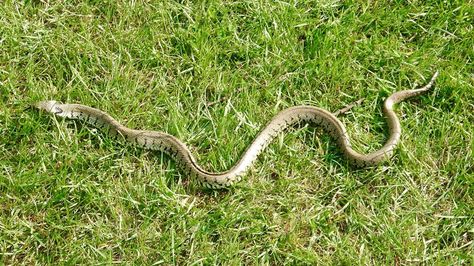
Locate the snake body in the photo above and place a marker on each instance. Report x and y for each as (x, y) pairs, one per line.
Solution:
(175, 148)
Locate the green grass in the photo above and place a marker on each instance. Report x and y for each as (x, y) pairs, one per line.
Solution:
(70, 194)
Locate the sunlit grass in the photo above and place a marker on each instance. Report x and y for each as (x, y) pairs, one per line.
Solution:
(212, 74)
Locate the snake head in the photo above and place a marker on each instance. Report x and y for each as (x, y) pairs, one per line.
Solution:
(49, 106)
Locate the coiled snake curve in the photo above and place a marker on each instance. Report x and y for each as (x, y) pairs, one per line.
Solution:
(172, 146)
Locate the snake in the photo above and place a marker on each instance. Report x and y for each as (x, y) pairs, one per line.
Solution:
(179, 151)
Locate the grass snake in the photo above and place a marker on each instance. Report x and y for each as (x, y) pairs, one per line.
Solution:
(155, 140)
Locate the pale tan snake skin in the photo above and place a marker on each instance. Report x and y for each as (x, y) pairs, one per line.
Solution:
(169, 144)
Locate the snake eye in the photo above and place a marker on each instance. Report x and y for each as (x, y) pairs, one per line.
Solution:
(56, 110)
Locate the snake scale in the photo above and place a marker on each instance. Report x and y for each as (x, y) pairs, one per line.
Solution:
(172, 146)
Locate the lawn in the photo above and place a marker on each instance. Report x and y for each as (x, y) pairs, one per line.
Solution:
(213, 73)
